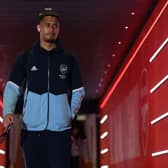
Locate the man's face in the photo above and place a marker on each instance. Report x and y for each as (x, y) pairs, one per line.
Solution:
(49, 29)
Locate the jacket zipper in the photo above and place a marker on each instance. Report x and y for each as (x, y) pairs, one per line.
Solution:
(48, 90)
(25, 100)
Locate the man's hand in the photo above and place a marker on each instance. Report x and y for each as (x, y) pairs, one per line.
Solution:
(8, 119)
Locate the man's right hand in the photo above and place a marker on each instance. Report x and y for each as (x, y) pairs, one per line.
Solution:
(8, 119)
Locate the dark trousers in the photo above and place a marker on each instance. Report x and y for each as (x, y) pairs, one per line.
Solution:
(46, 149)
(74, 162)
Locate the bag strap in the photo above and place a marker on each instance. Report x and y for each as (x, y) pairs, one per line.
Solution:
(25, 57)
(25, 62)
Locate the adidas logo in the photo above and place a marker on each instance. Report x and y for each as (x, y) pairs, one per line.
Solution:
(34, 68)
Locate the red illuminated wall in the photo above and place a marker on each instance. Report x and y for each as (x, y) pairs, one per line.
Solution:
(3, 148)
(130, 136)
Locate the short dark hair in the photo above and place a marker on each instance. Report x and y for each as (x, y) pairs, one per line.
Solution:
(48, 12)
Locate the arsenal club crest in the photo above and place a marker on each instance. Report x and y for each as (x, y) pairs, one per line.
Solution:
(63, 71)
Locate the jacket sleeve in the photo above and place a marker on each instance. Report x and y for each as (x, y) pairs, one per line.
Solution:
(12, 88)
(78, 91)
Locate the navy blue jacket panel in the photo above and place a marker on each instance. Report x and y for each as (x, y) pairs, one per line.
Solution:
(47, 71)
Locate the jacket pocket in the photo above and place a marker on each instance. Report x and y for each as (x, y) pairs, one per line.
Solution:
(35, 110)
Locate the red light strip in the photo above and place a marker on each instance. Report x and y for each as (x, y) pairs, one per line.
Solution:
(132, 58)
(1, 104)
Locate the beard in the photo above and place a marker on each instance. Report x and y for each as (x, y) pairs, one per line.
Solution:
(50, 39)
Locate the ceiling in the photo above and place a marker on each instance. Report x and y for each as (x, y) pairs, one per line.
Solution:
(99, 33)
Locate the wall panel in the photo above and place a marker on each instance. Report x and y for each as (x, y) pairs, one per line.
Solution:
(139, 98)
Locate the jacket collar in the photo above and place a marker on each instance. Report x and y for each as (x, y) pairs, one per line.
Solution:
(38, 49)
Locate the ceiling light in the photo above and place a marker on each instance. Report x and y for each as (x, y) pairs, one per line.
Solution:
(108, 65)
(132, 13)
(105, 72)
(126, 27)
(99, 84)
(113, 55)
(119, 42)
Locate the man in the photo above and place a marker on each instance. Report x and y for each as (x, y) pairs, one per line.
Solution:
(50, 74)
